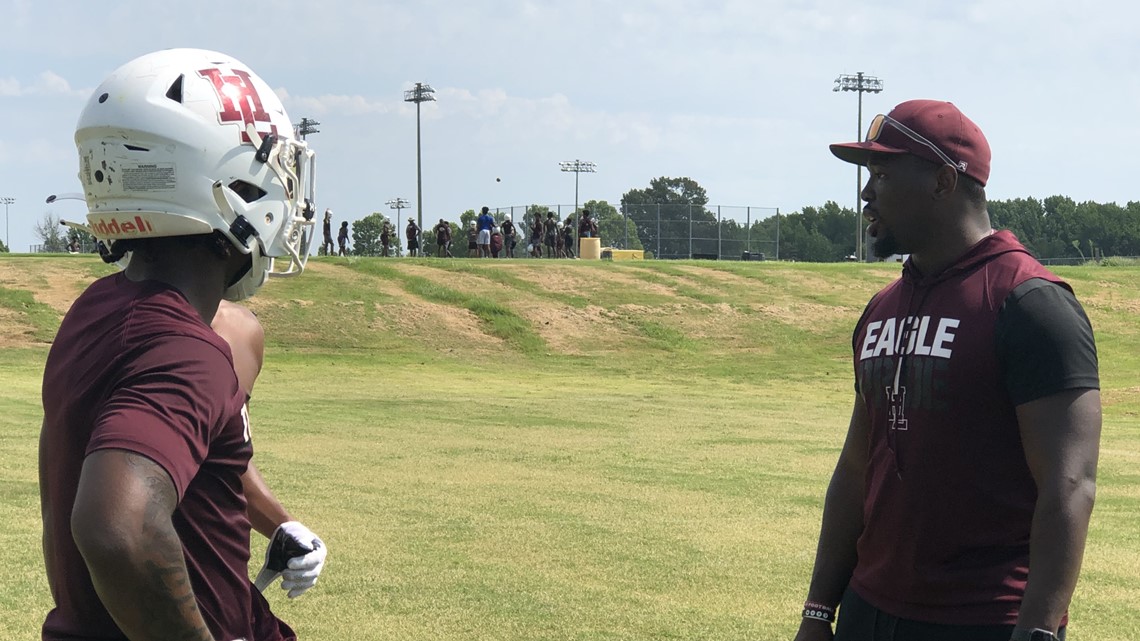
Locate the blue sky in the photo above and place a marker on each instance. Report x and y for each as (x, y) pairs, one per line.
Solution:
(734, 94)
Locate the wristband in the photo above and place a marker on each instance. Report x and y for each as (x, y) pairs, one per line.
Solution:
(819, 612)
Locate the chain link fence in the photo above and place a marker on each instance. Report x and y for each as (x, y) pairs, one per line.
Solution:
(713, 232)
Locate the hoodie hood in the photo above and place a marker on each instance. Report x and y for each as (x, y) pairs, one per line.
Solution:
(985, 250)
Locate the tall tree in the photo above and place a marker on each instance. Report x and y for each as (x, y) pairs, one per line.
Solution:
(614, 228)
(466, 218)
(366, 235)
(668, 214)
(50, 233)
(1025, 217)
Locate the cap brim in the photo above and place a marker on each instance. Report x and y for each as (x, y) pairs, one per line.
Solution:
(857, 153)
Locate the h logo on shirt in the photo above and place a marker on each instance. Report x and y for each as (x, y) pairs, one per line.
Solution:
(897, 409)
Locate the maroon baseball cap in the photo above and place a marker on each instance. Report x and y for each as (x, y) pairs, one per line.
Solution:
(930, 129)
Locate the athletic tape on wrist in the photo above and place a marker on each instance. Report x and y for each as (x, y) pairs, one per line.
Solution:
(819, 612)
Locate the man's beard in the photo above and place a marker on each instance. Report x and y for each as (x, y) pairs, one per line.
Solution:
(885, 245)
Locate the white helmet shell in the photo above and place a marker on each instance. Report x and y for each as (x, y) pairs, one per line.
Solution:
(187, 141)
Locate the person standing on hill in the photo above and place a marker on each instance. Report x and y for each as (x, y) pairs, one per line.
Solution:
(145, 444)
(473, 249)
(327, 247)
(550, 234)
(496, 244)
(568, 238)
(536, 229)
(510, 236)
(443, 238)
(960, 504)
(484, 224)
(342, 238)
(587, 227)
(412, 232)
(385, 238)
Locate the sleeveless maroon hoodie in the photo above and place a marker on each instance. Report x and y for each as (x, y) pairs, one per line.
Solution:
(949, 496)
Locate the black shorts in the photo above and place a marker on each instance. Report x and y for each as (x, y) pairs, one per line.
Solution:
(472, 245)
(413, 244)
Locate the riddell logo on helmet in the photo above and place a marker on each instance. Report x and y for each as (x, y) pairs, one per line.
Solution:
(239, 100)
(114, 227)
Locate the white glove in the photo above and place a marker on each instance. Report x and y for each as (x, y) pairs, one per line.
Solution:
(295, 554)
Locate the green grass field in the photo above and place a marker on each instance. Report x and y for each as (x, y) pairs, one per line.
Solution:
(558, 450)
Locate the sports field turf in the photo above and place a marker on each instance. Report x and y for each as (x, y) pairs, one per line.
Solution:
(561, 450)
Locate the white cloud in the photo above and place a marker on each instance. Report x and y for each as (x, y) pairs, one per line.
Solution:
(47, 83)
(327, 104)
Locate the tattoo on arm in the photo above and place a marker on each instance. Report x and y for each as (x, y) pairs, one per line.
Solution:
(138, 571)
(166, 593)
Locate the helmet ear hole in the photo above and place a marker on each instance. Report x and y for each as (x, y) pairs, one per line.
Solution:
(175, 91)
(248, 192)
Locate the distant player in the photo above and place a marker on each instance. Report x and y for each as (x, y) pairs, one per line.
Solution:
(510, 236)
(473, 250)
(342, 238)
(145, 445)
(327, 247)
(412, 233)
(484, 224)
(550, 234)
(385, 238)
(443, 239)
(536, 229)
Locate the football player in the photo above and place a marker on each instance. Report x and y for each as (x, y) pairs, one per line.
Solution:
(190, 166)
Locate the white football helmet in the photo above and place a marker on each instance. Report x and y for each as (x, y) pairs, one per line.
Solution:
(186, 141)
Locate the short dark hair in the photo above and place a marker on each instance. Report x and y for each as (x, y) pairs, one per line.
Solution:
(485, 210)
(973, 190)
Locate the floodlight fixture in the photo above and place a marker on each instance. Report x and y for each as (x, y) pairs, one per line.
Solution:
(860, 83)
(578, 167)
(421, 93)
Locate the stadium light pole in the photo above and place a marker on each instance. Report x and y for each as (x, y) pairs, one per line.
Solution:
(578, 167)
(305, 127)
(397, 204)
(860, 83)
(7, 200)
(419, 94)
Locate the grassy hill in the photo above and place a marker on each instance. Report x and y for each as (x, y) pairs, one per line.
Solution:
(558, 449)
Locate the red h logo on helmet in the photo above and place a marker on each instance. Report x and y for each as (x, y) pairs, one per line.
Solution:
(239, 99)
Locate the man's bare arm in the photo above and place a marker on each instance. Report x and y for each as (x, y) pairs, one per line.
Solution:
(121, 523)
(1061, 437)
(835, 555)
(265, 511)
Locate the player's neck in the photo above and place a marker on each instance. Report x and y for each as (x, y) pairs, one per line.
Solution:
(200, 277)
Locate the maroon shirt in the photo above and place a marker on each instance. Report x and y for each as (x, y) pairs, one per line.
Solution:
(134, 367)
(949, 497)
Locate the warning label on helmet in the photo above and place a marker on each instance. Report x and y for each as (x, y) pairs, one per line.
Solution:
(149, 177)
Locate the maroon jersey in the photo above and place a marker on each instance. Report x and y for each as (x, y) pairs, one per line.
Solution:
(134, 367)
(949, 496)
